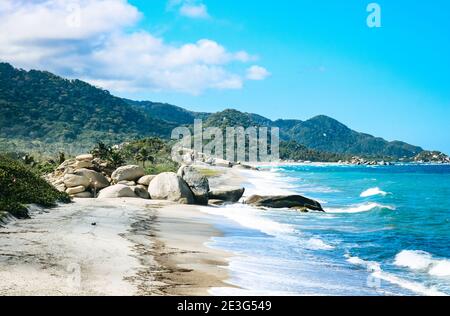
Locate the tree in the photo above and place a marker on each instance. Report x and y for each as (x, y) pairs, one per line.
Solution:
(102, 151)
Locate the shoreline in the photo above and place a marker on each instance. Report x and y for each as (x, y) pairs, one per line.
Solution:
(122, 246)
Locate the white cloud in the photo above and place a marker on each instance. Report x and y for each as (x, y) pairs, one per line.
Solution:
(189, 8)
(194, 11)
(90, 41)
(257, 73)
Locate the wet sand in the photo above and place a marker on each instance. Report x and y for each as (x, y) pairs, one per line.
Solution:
(111, 247)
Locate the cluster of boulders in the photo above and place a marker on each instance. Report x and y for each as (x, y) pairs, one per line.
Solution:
(432, 157)
(81, 177)
(89, 177)
(190, 156)
(361, 161)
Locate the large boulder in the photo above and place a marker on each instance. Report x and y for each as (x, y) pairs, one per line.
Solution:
(97, 180)
(141, 191)
(227, 194)
(128, 173)
(75, 190)
(117, 191)
(169, 186)
(85, 157)
(83, 195)
(197, 182)
(145, 180)
(83, 164)
(289, 201)
(73, 180)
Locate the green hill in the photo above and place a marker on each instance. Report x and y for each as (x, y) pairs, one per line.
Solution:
(44, 111)
(320, 133)
(40, 107)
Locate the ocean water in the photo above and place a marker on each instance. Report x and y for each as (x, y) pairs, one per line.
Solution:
(386, 231)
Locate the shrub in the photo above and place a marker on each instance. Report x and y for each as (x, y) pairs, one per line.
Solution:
(20, 186)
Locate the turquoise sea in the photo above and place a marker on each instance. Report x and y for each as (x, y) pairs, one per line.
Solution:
(386, 231)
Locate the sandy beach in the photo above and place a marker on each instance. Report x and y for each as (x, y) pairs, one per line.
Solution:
(123, 246)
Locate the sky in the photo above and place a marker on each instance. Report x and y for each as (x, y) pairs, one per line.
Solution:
(281, 59)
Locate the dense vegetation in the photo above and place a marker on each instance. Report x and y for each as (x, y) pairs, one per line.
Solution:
(154, 154)
(167, 112)
(40, 107)
(41, 112)
(291, 150)
(320, 133)
(19, 186)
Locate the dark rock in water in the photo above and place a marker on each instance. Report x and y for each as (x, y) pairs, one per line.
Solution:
(227, 194)
(288, 201)
(197, 182)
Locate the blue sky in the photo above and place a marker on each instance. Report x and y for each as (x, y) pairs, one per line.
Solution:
(311, 58)
(392, 81)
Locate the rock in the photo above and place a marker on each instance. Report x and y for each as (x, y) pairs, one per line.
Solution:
(198, 183)
(83, 164)
(73, 180)
(221, 163)
(289, 201)
(66, 164)
(129, 183)
(117, 191)
(141, 191)
(60, 187)
(169, 186)
(227, 194)
(129, 173)
(145, 180)
(96, 180)
(88, 157)
(83, 195)
(216, 202)
(75, 190)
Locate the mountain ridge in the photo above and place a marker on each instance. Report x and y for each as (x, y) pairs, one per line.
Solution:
(55, 109)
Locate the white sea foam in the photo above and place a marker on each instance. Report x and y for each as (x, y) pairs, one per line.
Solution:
(251, 218)
(376, 272)
(440, 268)
(421, 260)
(318, 244)
(413, 259)
(373, 192)
(359, 208)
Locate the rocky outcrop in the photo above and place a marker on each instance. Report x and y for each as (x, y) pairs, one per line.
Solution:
(85, 157)
(73, 180)
(83, 195)
(227, 194)
(169, 186)
(198, 183)
(432, 157)
(127, 173)
(289, 201)
(141, 191)
(96, 179)
(117, 191)
(145, 180)
(75, 190)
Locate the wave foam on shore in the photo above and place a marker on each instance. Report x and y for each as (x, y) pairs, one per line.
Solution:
(423, 261)
(378, 274)
(373, 192)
